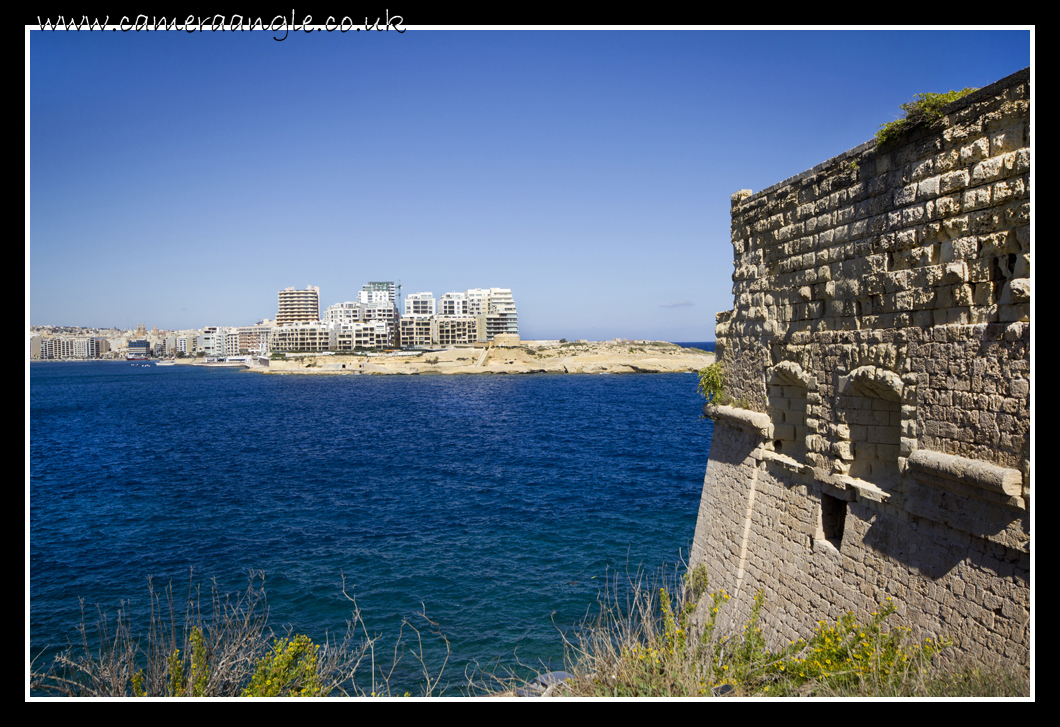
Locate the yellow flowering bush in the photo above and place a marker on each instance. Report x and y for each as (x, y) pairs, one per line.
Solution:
(849, 653)
(289, 670)
(677, 650)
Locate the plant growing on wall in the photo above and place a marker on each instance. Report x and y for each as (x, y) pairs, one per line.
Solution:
(925, 108)
(712, 384)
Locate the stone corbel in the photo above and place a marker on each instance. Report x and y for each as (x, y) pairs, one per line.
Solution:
(742, 419)
(973, 472)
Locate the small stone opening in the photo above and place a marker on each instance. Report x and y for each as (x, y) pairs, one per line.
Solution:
(833, 520)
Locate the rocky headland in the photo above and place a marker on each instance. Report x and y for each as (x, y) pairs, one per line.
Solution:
(529, 357)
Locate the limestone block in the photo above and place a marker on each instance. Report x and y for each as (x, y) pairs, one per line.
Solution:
(905, 195)
(1005, 141)
(1019, 290)
(1007, 189)
(784, 431)
(965, 248)
(843, 450)
(976, 198)
(954, 181)
(955, 272)
(987, 170)
(978, 149)
(947, 206)
(1015, 312)
(946, 160)
(1022, 162)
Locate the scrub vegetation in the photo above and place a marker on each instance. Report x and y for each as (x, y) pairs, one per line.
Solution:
(925, 108)
(648, 643)
(678, 639)
(230, 652)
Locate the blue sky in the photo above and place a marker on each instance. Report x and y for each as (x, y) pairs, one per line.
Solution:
(181, 180)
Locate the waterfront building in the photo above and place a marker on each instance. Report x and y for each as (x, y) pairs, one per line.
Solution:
(386, 312)
(298, 306)
(80, 348)
(456, 331)
(231, 342)
(310, 337)
(453, 304)
(416, 331)
(351, 335)
(139, 348)
(210, 341)
(344, 312)
(477, 301)
(97, 346)
(256, 338)
(501, 316)
(420, 304)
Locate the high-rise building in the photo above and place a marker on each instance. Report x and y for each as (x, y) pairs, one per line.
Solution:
(298, 306)
(380, 292)
(500, 316)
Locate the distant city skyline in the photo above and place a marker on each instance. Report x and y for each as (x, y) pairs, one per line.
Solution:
(181, 180)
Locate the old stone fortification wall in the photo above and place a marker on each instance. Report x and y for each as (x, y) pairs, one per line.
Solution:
(877, 358)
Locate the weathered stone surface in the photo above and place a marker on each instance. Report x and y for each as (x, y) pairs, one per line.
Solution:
(879, 345)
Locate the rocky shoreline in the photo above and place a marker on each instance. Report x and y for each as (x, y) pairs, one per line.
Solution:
(530, 357)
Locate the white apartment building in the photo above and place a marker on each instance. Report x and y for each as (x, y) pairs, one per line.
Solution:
(416, 331)
(352, 335)
(420, 304)
(344, 312)
(477, 301)
(231, 339)
(298, 306)
(499, 315)
(386, 312)
(380, 292)
(453, 304)
(211, 341)
(456, 331)
(312, 337)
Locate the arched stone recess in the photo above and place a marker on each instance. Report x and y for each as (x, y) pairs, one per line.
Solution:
(786, 397)
(869, 409)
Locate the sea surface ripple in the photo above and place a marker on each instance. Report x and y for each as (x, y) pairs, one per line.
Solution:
(497, 505)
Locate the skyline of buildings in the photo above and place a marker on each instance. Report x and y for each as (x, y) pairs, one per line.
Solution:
(372, 321)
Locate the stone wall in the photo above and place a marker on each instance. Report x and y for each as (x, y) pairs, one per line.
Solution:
(876, 440)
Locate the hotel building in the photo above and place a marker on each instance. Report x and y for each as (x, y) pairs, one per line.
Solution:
(298, 306)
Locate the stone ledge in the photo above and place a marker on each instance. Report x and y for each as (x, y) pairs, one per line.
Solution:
(972, 472)
(743, 419)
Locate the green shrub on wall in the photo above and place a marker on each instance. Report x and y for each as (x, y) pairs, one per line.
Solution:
(712, 384)
(925, 108)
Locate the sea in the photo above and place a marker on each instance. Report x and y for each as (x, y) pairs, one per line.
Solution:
(488, 512)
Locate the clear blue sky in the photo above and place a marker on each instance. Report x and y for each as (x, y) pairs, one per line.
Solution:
(182, 179)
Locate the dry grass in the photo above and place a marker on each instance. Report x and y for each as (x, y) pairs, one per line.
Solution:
(645, 643)
(229, 652)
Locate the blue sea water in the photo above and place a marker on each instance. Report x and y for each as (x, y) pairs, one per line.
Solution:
(496, 504)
